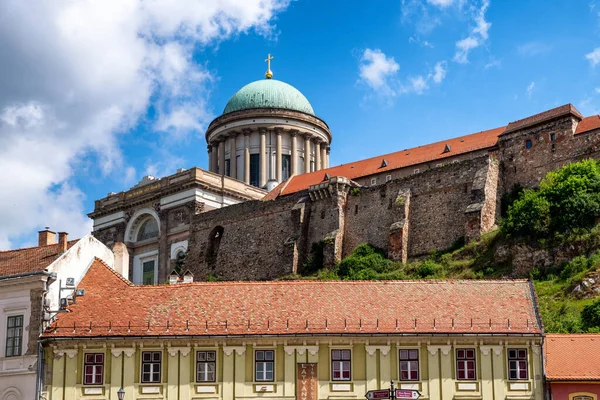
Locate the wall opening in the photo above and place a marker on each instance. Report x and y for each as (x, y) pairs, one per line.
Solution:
(214, 241)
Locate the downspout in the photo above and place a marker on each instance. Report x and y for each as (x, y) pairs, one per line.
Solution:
(40, 349)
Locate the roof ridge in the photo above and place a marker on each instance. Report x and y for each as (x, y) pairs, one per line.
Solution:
(121, 277)
(340, 281)
(37, 247)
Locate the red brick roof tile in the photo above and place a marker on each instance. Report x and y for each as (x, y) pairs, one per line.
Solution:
(30, 259)
(588, 124)
(399, 159)
(572, 357)
(113, 307)
(567, 109)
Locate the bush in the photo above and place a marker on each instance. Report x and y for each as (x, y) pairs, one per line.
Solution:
(428, 269)
(568, 200)
(590, 316)
(365, 263)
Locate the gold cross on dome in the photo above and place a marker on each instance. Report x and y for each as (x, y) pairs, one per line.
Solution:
(269, 73)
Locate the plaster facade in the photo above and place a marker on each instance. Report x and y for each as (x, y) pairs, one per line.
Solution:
(373, 363)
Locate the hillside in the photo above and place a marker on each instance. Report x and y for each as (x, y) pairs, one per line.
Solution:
(550, 235)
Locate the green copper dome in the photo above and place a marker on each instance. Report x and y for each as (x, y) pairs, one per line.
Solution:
(268, 93)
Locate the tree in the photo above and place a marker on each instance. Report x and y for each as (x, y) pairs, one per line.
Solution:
(590, 316)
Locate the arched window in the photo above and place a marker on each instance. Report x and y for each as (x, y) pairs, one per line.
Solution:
(214, 241)
(582, 396)
(148, 230)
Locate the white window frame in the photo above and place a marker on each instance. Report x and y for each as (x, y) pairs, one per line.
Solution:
(264, 362)
(94, 368)
(399, 349)
(374, 181)
(416, 171)
(341, 378)
(206, 362)
(508, 349)
(162, 356)
(388, 178)
(457, 361)
(138, 265)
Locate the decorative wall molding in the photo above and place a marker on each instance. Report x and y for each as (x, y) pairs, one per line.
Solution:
(313, 350)
(485, 349)
(383, 349)
(433, 350)
(116, 351)
(228, 350)
(445, 349)
(183, 350)
(536, 349)
(71, 353)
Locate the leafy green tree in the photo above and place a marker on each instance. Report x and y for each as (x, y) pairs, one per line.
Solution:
(528, 216)
(590, 316)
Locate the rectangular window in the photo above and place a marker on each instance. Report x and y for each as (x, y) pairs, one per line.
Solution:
(264, 362)
(254, 169)
(228, 167)
(465, 364)
(151, 366)
(517, 364)
(409, 365)
(340, 365)
(286, 167)
(206, 366)
(388, 178)
(14, 335)
(93, 368)
(552, 137)
(373, 181)
(148, 272)
(528, 144)
(416, 171)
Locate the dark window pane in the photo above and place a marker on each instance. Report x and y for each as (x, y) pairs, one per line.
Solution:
(404, 354)
(413, 354)
(254, 169)
(460, 354)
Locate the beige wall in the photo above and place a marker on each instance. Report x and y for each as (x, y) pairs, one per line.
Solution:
(374, 364)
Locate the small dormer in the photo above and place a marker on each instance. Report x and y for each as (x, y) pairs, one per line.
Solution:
(173, 278)
(188, 277)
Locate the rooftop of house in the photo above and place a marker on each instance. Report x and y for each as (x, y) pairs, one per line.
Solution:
(114, 307)
(430, 152)
(572, 357)
(30, 259)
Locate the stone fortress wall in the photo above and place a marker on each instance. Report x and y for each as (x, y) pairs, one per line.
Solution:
(408, 216)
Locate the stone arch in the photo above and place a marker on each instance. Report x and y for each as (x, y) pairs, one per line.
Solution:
(137, 221)
(214, 242)
(11, 393)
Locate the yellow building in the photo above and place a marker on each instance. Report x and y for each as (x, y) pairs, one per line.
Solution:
(304, 340)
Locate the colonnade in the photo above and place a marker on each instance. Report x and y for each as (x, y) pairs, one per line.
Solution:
(318, 148)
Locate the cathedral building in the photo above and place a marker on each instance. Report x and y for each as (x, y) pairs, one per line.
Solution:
(267, 133)
(269, 164)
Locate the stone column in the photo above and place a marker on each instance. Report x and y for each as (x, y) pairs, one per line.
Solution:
(317, 156)
(263, 158)
(294, 157)
(214, 157)
(247, 133)
(232, 156)
(306, 154)
(327, 157)
(210, 157)
(323, 155)
(221, 157)
(278, 164)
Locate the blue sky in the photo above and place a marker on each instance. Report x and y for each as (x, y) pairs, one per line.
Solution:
(394, 73)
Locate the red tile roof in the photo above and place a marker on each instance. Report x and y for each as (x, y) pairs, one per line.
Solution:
(399, 159)
(572, 357)
(567, 109)
(114, 307)
(588, 124)
(30, 259)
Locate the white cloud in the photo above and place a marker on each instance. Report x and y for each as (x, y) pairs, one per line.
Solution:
(594, 57)
(530, 88)
(439, 73)
(530, 49)
(75, 75)
(378, 71)
(441, 3)
(478, 36)
(492, 63)
(418, 84)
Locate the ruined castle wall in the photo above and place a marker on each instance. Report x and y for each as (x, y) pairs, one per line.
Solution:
(436, 216)
(527, 167)
(252, 244)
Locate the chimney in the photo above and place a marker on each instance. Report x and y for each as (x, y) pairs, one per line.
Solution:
(46, 237)
(121, 259)
(63, 238)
